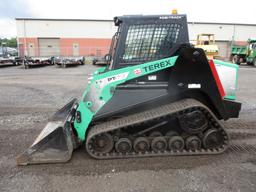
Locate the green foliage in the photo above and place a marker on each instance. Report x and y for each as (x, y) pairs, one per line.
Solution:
(12, 42)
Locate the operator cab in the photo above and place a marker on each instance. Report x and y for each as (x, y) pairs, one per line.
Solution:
(140, 39)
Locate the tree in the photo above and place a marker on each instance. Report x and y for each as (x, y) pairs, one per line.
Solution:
(12, 42)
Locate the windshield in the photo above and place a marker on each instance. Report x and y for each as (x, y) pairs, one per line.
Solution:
(149, 42)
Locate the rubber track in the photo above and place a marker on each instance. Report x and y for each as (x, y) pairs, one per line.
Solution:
(149, 115)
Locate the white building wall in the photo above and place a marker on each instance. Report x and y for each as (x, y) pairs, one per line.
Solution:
(244, 32)
(106, 29)
(65, 29)
(223, 32)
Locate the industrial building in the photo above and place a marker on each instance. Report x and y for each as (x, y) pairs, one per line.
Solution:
(81, 37)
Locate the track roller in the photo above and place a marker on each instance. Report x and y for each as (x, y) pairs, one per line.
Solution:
(123, 145)
(141, 144)
(193, 143)
(176, 143)
(159, 144)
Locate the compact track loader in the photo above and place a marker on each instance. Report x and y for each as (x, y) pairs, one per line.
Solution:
(158, 96)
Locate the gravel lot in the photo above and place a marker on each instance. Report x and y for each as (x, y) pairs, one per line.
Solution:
(29, 97)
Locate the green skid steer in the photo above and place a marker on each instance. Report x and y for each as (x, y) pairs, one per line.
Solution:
(158, 96)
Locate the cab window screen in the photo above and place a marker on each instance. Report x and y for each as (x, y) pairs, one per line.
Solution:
(149, 42)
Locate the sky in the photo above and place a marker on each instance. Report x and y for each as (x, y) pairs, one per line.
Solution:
(222, 11)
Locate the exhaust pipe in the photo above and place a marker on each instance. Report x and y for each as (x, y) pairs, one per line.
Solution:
(56, 142)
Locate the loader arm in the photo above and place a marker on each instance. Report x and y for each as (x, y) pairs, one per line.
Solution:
(102, 85)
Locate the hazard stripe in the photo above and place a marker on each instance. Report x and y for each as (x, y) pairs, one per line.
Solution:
(217, 79)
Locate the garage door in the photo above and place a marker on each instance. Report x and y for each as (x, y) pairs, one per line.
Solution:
(224, 49)
(49, 46)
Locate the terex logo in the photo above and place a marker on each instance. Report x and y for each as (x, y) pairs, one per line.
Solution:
(159, 65)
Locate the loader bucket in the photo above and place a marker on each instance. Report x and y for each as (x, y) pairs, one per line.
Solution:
(55, 143)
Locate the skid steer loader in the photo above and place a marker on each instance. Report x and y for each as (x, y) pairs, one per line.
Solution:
(158, 96)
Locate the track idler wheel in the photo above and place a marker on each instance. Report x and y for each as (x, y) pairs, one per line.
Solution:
(123, 145)
(193, 143)
(141, 144)
(103, 143)
(159, 144)
(193, 122)
(176, 143)
(212, 139)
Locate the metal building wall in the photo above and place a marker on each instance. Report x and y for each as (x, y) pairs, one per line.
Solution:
(93, 37)
(223, 32)
(51, 28)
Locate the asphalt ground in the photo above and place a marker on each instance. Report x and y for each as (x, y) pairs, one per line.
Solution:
(29, 97)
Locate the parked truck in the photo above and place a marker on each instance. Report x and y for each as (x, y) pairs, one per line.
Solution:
(241, 53)
(7, 55)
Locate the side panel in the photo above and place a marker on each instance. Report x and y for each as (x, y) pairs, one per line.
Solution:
(102, 86)
(228, 74)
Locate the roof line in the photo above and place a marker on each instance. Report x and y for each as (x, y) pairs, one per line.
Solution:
(216, 23)
(108, 20)
(47, 19)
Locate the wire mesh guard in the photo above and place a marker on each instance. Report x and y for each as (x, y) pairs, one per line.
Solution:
(149, 42)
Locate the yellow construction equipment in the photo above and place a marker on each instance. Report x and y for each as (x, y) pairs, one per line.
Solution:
(206, 41)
